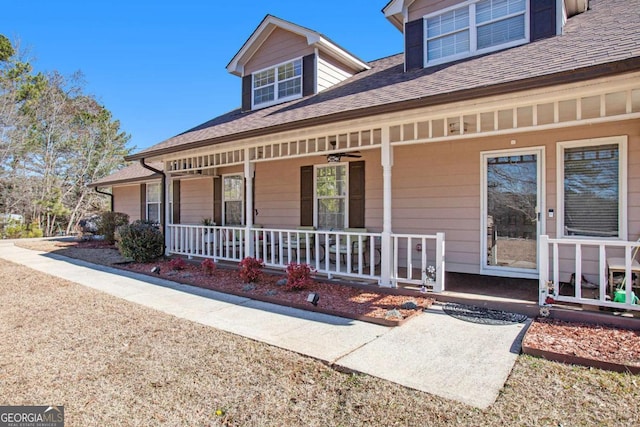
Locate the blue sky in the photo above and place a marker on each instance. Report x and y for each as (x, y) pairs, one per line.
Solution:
(160, 67)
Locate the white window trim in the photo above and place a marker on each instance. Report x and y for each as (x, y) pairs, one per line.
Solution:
(277, 100)
(473, 51)
(223, 199)
(315, 192)
(159, 202)
(539, 151)
(621, 140)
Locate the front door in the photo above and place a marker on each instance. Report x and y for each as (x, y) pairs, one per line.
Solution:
(511, 212)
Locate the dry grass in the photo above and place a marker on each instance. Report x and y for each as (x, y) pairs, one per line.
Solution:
(111, 362)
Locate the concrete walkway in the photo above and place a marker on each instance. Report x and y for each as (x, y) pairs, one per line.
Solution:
(433, 352)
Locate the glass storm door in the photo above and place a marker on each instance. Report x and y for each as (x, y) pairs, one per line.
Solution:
(511, 208)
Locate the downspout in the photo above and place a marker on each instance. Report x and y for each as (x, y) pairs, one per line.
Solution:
(106, 194)
(163, 196)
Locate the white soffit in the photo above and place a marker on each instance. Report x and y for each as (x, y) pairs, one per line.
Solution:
(395, 12)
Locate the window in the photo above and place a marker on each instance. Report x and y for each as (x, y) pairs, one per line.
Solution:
(478, 27)
(281, 83)
(153, 202)
(593, 188)
(331, 184)
(233, 199)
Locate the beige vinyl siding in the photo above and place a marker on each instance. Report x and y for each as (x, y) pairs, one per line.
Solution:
(196, 200)
(330, 73)
(281, 46)
(278, 191)
(126, 199)
(420, 8)
(436, 187)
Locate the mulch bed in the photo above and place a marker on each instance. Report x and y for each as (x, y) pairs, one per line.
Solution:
(584, 344)
(372, 305)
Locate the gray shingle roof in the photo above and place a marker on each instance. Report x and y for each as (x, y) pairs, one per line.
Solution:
(608, 33)
(132, 173)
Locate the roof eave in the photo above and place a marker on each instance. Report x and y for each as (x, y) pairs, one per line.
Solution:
(124, 181)
(565, 77)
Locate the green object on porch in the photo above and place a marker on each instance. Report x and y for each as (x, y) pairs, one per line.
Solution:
(620, 296)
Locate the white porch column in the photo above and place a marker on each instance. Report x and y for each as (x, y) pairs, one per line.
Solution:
(386, 247)
(167, 213)
(249, 171)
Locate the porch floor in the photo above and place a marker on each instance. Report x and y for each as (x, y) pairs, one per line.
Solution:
(501, 293)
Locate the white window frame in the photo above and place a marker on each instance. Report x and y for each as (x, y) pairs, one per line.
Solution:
(149, 186)
(345, 196)
(276, 83)
(224, 199)
(621, 141)
(473, 39)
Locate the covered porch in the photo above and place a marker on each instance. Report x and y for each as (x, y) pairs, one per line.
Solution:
(427, 175)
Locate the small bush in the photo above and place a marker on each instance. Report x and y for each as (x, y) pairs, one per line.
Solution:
(109, 222)
(177, 264)
(17, 230)
(34, 230)
(208, 266)
(141, 241)
(298, 277)
(251, 269)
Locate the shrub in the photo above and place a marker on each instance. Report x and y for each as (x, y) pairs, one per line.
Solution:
(251, 269)
(298, 277)
(17, 230)
(141, 241)
(109, 222)
(208, 266)
(34, 230)
(177, 264)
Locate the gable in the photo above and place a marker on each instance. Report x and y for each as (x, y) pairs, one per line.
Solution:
(280, 46)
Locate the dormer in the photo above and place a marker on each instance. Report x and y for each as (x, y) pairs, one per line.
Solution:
(442, 31)
(282, 61)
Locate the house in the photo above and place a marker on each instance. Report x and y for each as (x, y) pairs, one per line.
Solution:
(508, 130)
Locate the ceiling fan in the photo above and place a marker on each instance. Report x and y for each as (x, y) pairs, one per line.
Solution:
(337, 157)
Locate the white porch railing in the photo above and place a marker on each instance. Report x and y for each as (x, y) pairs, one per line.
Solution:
(588, 259)
(425, 269)
(334, 253)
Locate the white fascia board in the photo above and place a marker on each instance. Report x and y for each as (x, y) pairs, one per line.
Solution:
(396, 12)
(341, 54)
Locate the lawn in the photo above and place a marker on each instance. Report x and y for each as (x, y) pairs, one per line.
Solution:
(111, 362)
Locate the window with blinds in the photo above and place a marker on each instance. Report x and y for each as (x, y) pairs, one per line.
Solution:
(480, 26)
(592, 191)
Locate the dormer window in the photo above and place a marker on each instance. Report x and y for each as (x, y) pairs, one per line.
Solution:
(278, 84)
(479, 26)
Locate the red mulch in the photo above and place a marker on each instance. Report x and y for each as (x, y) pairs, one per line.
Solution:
(596, 342)
(349, 301)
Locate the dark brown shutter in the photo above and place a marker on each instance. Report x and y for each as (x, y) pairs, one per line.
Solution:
(543, 19)
(356, 194)
(306, 196)
(176, 202)
(217, 200)
(246, 93)
(414, 44)
(143, 201)
(309, 75)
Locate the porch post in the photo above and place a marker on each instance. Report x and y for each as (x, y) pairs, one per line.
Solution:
(543, 281)
(167, 181)
(386, 249)
(249, 170)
